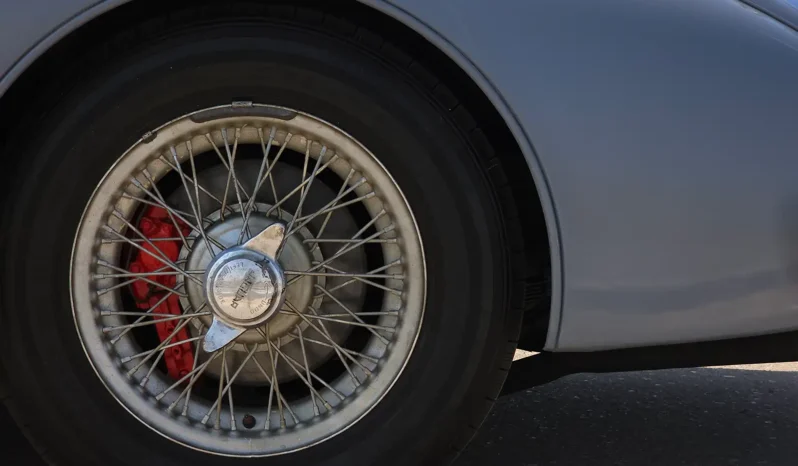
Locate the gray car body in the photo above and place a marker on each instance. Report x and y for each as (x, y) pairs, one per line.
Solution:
(662, 137)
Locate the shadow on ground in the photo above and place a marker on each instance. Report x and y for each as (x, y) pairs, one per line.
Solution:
(697, 417)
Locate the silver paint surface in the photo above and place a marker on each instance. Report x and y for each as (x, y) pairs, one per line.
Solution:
(664, 141)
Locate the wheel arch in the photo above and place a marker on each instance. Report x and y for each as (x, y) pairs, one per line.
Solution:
(22, 102)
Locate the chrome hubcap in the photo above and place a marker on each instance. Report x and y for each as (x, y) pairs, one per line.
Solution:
(241, 288)
(245, 287)
(293, 256)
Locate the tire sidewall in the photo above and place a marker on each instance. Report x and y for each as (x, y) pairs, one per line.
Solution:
(66, 404)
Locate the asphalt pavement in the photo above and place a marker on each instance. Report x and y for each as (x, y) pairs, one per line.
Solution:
(739, 415)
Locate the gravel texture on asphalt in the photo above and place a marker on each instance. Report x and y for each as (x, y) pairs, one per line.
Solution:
(736, 415)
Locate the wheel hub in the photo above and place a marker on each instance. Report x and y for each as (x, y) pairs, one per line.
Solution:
(294, 256)
(244, 288)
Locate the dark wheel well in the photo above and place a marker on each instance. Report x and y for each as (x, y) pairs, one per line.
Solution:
(29, 99)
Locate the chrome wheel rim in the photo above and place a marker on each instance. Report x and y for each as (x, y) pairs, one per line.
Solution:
(360, 299)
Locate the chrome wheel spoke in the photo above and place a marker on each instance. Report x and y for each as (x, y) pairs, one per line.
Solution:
(372, 328)
(184, 177)
(306, 189)
(365, 314)
(218, 404)
(156, 321)
(144, 274)
(159, 257)
(269, 172)
(154, 240)
(177, 213)
(125, 283)
(146, 313)
(149, 352)
(186, 319)
(194, 208)
(343, 251)
(225, 162)
(285, 403)
(231, 170)
(332, 208)
(276, 384)
(154, 364)
(168, 212)
(160, 254)
(194, 375)
(135, 313)
(342, 355)
(300, 186)
(182, 215)
(312, 374)
(349, 241)
(294, 366)
(349, 322)
(227, 387)
(134, 278)
(326, 220)
(345, 350)
(265, 148)
(230, 403)
(329, 206)
(345, 274)
(362, 280)
(307, 371)
(190, 383)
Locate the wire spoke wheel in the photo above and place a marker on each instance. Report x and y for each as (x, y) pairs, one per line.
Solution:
(260, 230)
(345, 297)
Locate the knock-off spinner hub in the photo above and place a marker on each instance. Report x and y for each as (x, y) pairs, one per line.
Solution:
(294, 255)
(244, 286)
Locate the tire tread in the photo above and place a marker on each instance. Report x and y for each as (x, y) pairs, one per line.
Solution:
(436, 90)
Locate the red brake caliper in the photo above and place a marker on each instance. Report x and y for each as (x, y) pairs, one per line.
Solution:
(155, 224)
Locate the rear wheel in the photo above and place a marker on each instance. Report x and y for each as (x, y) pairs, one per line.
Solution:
(141, 324)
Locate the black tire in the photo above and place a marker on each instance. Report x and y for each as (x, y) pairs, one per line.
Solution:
(170, 67)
